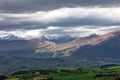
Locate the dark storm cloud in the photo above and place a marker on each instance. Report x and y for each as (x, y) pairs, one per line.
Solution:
(19, 6)
(93, 21)
(14, 23)
(10, 23)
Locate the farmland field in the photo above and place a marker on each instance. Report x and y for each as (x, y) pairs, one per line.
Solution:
(106, 73)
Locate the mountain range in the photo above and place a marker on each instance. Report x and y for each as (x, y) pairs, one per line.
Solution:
(92, 50)
(11, 38)
(59, 39)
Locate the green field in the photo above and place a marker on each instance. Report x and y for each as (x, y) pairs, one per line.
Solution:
(107, 73)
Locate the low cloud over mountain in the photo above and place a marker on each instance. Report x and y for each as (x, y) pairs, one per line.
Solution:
(33, 18)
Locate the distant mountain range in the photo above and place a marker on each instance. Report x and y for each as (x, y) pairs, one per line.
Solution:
(11, 37)
(57, 50)
(59, 39)
(92, 50)
(50, 45)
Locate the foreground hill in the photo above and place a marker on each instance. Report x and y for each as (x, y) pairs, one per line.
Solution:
(108, 73)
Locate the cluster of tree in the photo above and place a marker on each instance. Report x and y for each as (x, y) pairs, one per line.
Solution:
(41, 71)
(108, 65)
(105, 75)
(3, 77)
(116, 78)
(43, 79)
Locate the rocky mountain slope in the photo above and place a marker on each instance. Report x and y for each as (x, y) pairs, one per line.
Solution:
(85, 51)
(58, 50)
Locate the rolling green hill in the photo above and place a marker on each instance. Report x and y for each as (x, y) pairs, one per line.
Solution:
(108, 73)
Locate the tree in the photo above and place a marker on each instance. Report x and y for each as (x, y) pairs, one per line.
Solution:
(2, 77)
(117, 78)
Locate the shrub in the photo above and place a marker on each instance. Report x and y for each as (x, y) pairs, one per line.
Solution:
(117, 78)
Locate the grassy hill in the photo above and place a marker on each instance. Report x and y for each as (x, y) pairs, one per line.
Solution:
(106, 73)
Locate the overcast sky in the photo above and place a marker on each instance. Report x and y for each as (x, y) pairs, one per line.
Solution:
(36, 18)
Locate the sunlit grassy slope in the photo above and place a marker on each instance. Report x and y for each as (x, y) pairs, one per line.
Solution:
(107, 73)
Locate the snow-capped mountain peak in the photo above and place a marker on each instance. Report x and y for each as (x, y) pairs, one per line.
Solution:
(11, 37)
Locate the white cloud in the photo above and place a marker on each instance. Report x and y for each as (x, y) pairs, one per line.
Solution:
(23, 33)
(78, 31)
(53, 28)
(63, 13)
